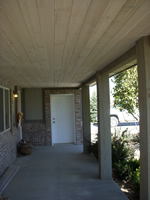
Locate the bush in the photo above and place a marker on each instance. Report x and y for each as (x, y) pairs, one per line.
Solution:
(136, 181)
(120, 149)
(136, 138)
(125, 170)
(122, 170)
(125, 166)
(134, 164)
(94, 149)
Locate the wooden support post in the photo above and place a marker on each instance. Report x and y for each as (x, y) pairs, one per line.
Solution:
(143, 61)
(104, 135)
(86, 118)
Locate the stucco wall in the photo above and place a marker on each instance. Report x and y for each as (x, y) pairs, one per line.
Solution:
(40, 133)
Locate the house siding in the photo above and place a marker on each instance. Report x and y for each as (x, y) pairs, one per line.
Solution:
(40, 133)
(8, 138)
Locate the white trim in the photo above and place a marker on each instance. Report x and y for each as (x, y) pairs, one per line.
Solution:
(4, 87)
(5, 131)
(4, 121)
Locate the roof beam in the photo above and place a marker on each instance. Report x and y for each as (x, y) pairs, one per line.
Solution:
(90, 81)
(125, 61)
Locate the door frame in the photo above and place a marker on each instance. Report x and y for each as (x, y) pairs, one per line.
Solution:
(73, 107)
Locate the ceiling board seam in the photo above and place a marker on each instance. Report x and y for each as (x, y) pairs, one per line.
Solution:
(80, 31)
(42, 38)
(105, 46)
(123, 36)
(15, 35)
(99, 38)
(37, 57)
(92, 31)
(29, 35)
(66, 42)
(66, 38)
(14, 64)
(54, 42)
(75, 41)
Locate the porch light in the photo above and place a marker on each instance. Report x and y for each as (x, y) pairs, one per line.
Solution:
(15, 95)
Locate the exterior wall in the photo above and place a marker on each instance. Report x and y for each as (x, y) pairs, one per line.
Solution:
(40, 133)
(8, 149)
(9, 138)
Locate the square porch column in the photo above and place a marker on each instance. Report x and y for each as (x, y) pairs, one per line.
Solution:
(143, 61)
(104, 133)
(86, 118)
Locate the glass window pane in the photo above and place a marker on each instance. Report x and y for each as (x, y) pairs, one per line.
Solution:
(1, 111)
(6, 109)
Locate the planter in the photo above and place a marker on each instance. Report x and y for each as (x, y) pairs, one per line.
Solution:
(25, 148)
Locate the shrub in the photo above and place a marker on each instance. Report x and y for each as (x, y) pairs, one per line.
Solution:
(136, 181)
(123, 170)
(134, 164)
(120, 149)
(94, 149)
(125, 166)
(136, 138)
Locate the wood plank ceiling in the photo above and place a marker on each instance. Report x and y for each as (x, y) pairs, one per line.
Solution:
(61, 43)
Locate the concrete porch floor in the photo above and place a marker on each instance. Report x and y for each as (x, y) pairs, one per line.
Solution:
(60, 172)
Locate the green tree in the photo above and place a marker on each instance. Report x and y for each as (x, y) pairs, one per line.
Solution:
(93, 107)
(125, 91)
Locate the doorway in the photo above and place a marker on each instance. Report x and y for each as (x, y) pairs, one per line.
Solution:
(62, 118)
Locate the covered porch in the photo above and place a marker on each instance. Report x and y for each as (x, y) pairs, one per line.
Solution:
(60, 47)
(60, 172)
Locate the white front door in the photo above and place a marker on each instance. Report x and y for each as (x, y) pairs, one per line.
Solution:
(62, 118)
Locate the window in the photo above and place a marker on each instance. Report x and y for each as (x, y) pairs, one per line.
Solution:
(33, 105)
(4, 109)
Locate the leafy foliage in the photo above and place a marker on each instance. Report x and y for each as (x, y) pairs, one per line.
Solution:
(136, 138)
(93, 148)
(125, 91)
(120, 150)
(136, 181)
(125, 166)
(122, 170)
(93, 107)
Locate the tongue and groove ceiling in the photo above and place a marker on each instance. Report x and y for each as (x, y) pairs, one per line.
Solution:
(61, 43)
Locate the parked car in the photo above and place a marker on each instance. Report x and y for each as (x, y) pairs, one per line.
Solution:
(116, 117)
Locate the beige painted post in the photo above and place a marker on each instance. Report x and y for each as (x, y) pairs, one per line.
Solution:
(104, 133)
(143, 61)
(86, 118)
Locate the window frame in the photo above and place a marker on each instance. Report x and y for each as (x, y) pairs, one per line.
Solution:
(3, 107)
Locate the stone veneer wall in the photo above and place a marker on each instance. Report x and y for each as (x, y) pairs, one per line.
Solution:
(40, 133)
(9, 138)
